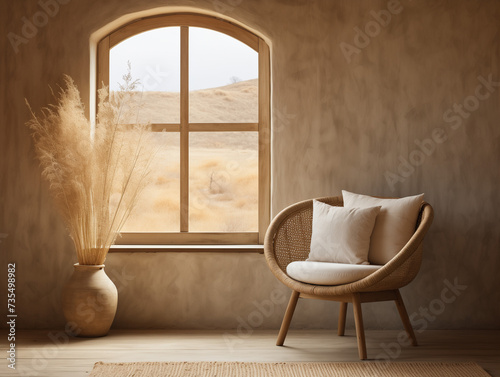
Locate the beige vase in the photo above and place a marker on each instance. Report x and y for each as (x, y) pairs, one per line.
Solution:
(89, 301)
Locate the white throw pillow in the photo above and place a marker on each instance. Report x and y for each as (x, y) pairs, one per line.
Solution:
(329, 273)
(394, 226)
(341, 235)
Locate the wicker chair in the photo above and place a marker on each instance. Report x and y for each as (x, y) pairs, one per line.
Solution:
(288, 239)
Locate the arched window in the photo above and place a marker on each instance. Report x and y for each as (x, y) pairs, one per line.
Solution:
(205, 88)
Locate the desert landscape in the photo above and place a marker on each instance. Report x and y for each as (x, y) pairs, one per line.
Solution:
(223, 166)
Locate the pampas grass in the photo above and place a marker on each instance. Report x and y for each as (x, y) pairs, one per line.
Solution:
(95, 173)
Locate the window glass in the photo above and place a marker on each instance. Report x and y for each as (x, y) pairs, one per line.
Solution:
(154, 58)
(223, 182)
(158, 207)
(222, 79)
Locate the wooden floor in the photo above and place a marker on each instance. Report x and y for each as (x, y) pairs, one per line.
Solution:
(53, 354)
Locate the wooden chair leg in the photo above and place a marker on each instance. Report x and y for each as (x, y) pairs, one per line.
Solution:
(342, 316)
(360, 330)
(287, 318)
(404, 317)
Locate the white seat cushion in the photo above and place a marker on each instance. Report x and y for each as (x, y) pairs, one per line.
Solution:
(325, 273)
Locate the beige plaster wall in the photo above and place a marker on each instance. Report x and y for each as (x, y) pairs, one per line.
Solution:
(337, 125)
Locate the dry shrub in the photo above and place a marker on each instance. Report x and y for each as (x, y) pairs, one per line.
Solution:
(240, 203)
(235, 223)
(161, 180)
(210, 164)
(166, 204)
(197, 215)
(247, 180)
(95, 175)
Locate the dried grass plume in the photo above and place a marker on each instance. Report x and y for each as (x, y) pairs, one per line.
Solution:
(95, 173)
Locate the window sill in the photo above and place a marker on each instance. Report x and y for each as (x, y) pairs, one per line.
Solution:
(259, 249)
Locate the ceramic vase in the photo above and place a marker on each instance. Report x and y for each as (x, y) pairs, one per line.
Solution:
(89, 301)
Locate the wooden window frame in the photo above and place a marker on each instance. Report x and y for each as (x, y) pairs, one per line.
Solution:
(184, 128)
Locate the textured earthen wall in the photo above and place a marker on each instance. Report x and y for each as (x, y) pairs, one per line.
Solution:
(349, 110)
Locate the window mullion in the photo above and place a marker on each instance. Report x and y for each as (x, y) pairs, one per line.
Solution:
(184, 137)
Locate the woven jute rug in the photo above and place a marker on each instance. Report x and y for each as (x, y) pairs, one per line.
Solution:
(239, 369)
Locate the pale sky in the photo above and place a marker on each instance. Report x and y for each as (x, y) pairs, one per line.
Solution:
(154, 55)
